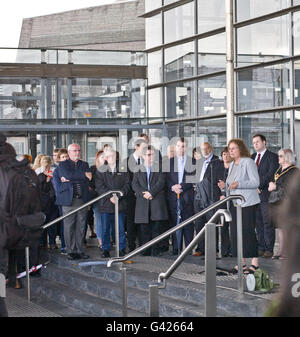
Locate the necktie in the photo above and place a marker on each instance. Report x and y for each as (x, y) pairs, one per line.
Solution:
(258, 159)
(138, 161)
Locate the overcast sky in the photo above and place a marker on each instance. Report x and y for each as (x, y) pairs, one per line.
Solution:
(14, 11)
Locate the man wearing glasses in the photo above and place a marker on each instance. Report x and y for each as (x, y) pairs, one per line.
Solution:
(72, 180)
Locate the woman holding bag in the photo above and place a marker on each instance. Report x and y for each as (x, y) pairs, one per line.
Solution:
(278, 190)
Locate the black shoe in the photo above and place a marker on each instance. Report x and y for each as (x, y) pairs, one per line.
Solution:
(164, 249)
(105, 254)
(156, 252)
(175, 252)
(83, 256)
(73, 256)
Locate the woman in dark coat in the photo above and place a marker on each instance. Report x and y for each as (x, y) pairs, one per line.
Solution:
(151, 207)
(278, 189)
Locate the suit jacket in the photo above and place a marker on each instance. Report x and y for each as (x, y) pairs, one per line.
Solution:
(248, 181)
(187, 195)
(64, 191)
(266, 169)
(207, 190)
(155, 209)
(105, 181)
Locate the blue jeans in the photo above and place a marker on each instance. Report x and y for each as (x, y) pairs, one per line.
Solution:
(108, 221)
(99, 227)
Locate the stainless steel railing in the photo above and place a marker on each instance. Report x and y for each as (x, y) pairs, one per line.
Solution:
(153, 289)
(114, 193)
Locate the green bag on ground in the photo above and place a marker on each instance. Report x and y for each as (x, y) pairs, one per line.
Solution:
(263, 282)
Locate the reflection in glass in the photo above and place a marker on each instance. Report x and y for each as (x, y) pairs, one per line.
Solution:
(179, 61)
(211, 15)
(263, 88)
(253, 46)
(180, 98)
(212, 95)
(179, 22)
(248, 9)
(155, 67)
(274, 126)
(297, 81)
(153, 31)
(212, 54)
(154, 103)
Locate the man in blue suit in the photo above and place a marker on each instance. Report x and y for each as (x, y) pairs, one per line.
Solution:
(180, 185)
(267, 164)
(71, 179)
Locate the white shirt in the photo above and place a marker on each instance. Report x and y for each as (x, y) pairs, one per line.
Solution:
(205, 164)
(261, 155)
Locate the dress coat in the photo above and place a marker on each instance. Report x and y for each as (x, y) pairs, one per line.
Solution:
(266, 169)
(155, 209)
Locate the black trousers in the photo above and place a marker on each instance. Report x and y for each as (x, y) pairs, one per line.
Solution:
(133, 233)
(148, 232)
(264, 228)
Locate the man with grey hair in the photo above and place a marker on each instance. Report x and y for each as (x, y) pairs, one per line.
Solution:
(72, 180)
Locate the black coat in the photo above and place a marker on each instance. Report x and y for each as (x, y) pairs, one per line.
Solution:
(266, 169)
(106, 181)
(207, 191)
(187, 195)
(155, 209)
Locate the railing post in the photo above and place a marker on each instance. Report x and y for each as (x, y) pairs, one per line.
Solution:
(240, 248)
(27, 272)
(153, 300)
(210, 270)
(117, 224)
(2, 286)
(124, 292)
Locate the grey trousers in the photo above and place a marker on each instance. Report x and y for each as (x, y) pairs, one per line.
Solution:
(74, 226)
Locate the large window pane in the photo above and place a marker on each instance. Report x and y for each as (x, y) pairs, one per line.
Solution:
(154, 103)
(212, 95)
(179, 61)
(180, 100)
(155, 67)
(263, 88)
(211, 15)
(179, 22)
(297, 82)
(153, 31)
(274, 126)
(296, 32)
(264, 41)
(211, 54)
(248, 9)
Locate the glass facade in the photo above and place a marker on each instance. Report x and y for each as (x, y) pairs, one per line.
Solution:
(192, 55)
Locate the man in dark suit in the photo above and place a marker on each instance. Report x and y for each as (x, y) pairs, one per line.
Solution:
(133, 165)
(151, 208)
(72, 182)
(267, 164)
(209, 171)
(180, 185)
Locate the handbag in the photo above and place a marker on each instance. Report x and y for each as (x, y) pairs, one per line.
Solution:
(276, 196)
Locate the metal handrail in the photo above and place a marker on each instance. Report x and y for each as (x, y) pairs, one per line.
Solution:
(164, 276)
(51, 223)
(174, 229)
(81, 207)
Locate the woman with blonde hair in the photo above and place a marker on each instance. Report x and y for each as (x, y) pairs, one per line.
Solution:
(37, 163)
(243, 179)
(278, 189)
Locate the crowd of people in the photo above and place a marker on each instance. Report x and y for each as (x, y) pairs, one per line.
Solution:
(159, 192)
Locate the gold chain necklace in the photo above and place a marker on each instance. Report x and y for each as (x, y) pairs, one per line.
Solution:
(278, 175)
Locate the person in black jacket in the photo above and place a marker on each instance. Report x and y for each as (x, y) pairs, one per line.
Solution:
(108, 178)
(48, 201)
(267, 163)
(151, 207)
(210, 171)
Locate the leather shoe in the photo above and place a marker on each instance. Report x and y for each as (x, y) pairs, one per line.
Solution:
(261, 253)
(122, 252)
(198, 254)
(73, 256)
(268, 254)
(105, 254)
(83, 256)
(175, 252)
